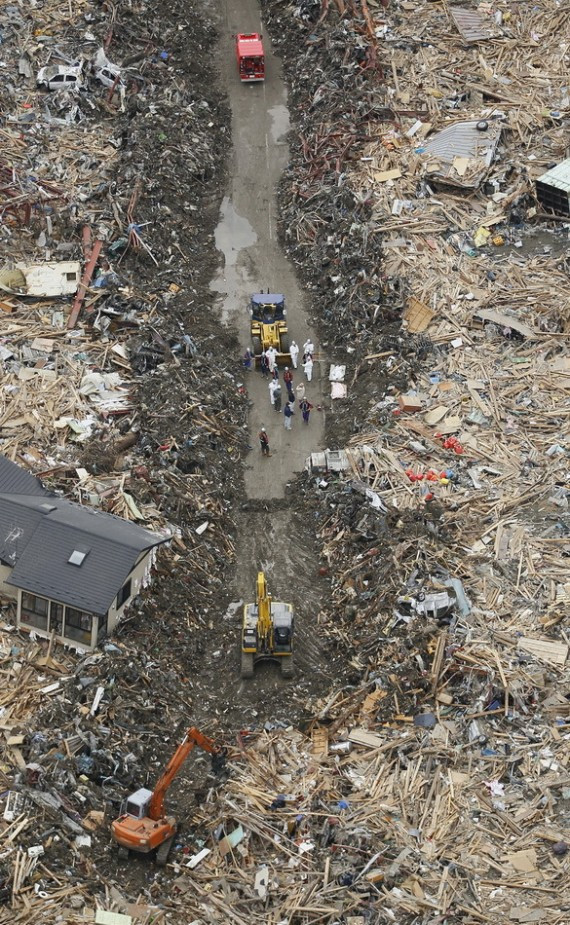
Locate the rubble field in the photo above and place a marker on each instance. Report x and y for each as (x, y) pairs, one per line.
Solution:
(420, 776)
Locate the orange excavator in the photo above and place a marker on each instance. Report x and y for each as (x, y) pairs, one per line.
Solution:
(142, 825)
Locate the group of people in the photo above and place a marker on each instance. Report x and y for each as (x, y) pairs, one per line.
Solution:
(269, 368)
(268, 359)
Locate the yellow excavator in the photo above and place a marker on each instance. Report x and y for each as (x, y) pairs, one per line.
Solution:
(267, 632)
(143, 826)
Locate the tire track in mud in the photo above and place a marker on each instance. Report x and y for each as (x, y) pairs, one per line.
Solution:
(280, 543)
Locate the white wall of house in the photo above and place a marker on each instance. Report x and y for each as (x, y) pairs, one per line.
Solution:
(7, 590)
(139, 578)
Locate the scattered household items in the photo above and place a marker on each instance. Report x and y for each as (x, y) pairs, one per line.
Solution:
(267, 632)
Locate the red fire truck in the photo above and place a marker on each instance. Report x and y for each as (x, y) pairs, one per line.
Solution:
(250, 57)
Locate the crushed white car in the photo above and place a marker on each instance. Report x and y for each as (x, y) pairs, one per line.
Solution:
(105, 71)
(60, 76)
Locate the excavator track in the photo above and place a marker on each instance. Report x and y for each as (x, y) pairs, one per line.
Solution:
(247, 664)
(287, 667)
(163, 851)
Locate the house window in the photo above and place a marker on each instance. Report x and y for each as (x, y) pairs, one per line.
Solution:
(34, 610)
(56, 618)
(78, 625)
(124, 594)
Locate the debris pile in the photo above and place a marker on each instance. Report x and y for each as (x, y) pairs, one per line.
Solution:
(106, 393)
(386, 817)
(407, 176)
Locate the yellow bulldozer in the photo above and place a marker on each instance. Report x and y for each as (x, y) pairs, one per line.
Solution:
(267, 632)
(269, 325)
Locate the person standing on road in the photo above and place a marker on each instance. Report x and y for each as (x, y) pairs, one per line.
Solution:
(276, 394)
(287, 415)
(306, 408)
(288, 380)
(308, 348)
(264, 442)
(271, 358)
(264, 364)
(308, 368)
(248, 358)
(300, 390)
(294, 351)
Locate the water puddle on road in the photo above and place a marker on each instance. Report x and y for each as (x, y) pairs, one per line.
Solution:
(280, 124)
(233, 235)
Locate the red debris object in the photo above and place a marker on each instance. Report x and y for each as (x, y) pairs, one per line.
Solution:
(85, 279)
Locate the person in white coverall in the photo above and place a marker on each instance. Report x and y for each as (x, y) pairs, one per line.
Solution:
(294, 351)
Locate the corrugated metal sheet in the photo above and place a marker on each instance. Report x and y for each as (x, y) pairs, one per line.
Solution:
(558, 177)
(472, 26)
(463, 140)
(553, 188)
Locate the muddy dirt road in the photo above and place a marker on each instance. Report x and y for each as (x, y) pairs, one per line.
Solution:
(271, 534)
(250, 256)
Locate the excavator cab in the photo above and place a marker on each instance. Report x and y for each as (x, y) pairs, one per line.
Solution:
(267, 632)
(136, 805)
(269, 324)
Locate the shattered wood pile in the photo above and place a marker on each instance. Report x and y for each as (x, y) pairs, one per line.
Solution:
(408, 160)
(381, 820)
(446, 538)
(120, 391)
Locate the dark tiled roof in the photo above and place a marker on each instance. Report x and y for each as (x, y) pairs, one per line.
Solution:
(16, 481)
(39, 531)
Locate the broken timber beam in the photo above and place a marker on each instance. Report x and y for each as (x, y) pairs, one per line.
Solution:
(84, 284)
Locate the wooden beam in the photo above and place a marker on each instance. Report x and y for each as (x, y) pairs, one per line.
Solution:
(84, 285)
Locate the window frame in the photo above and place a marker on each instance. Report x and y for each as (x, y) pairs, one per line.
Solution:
(29, 615)
(123, 597)
(74, 631)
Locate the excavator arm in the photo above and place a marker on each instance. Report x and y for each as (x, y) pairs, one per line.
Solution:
(192, 738)
(264, 623)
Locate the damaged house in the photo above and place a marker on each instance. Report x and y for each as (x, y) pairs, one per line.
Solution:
(70, 569)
